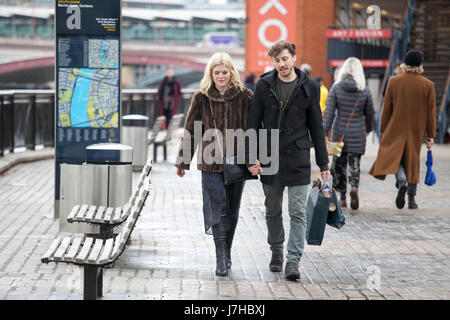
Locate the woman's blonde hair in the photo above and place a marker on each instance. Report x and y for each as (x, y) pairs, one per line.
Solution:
(353, 67)
(218, 59)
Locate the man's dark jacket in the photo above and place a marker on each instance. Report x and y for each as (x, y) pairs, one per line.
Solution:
(299, 121)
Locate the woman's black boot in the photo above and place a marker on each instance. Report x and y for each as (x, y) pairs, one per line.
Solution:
(219, 233)
(221, 257)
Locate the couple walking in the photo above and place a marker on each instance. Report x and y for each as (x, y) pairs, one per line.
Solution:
(285, 99)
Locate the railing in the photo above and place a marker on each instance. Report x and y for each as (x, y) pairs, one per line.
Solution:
(27, 117)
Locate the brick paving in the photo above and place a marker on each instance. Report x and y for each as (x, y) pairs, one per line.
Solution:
(170, 257)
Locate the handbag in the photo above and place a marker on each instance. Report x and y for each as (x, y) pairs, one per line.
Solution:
(335, 148)
(232, 171)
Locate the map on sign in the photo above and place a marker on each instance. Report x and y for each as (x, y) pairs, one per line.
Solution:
(88, 97)
(103, 53)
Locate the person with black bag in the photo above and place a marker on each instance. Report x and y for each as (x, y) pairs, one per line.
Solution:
(287, 100)
(221, 104)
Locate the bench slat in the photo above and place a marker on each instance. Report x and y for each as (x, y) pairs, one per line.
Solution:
(62, 249)
(73, 250)
(125, 212)
(117, 242)
(117, 213)
(95, 251)
(46, 257)
(104, 257)
(73, 213)
(99, 214)
(85, 250)
(90, 213)
(108, 214)
(81, 213)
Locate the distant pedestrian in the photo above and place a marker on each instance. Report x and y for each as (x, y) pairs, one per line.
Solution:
(349, 89)
(306, 68)
(323, 94)
(223, 103)
(250, 81)
(169, 95)
(409, 112)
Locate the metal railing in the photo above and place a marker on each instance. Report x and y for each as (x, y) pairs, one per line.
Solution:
(27, 117)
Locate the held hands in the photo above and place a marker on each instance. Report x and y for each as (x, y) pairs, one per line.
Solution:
(255, 169)
(430, 142)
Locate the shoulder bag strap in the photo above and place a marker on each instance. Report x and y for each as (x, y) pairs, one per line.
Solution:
(351, 116)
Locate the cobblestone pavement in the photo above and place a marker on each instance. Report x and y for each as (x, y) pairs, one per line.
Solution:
(170, 257)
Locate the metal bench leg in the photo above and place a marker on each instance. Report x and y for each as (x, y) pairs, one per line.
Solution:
(165, 152)
(90, 282)
(100, 283)
(155, 147)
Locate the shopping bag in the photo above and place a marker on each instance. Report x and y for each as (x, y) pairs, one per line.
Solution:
(335, 218)
(317, 214)
(335, 148)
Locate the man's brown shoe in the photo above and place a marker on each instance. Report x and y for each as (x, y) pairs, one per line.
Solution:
(343, 203)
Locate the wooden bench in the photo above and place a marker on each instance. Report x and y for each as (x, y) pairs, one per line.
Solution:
(157, 126)
(94, 254)
(108, 217)
(164, 136)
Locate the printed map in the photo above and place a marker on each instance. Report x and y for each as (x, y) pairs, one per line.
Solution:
(88, 97)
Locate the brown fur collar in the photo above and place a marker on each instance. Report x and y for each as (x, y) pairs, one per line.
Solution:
(214, 95)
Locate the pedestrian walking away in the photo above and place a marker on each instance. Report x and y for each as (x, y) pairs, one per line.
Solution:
(288, 100)
(169, 95)
(223, 103)
(409, 113)
(350, 111)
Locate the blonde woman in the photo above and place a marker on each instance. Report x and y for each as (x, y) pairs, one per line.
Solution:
(350, 84)
(222, 92)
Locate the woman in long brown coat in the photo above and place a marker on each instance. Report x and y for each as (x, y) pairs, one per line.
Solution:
(409, 112)
(223, 103)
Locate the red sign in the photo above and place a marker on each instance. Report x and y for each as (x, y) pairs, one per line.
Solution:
(365, 63)
(269, 22)
(358, 33)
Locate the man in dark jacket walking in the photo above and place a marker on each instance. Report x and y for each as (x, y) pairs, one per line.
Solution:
(288, 100)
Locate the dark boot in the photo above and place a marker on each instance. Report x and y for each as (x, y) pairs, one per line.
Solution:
(221, 257)
(354, 199)
(220, 241)
(276, 263)
(411, 195)
(400, 200)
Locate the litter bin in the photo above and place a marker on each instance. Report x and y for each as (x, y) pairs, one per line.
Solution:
(105, 179)
(134, 133)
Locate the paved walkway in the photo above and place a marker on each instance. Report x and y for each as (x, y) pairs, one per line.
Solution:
(171, 258)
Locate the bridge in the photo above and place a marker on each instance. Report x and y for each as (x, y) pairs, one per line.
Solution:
(34, 59)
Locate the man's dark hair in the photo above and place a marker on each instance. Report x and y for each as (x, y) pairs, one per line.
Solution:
(280, 46)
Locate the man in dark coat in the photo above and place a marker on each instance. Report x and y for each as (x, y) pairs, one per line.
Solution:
(169, 95)
(288, 100)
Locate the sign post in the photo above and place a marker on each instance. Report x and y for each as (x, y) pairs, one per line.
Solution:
(88, 79)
